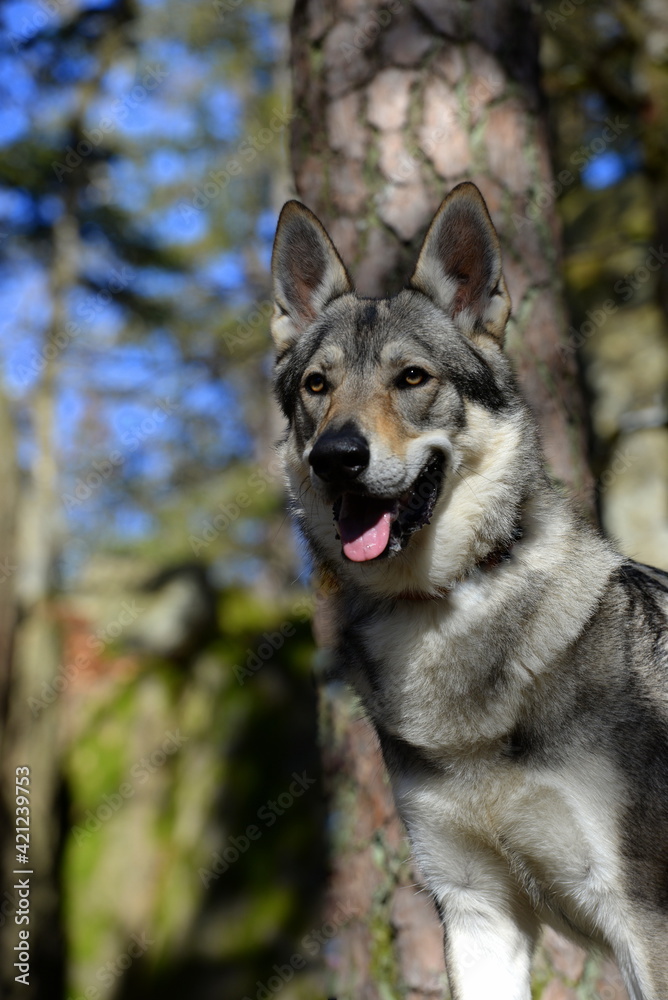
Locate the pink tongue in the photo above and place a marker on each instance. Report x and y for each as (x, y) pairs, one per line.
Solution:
(364, 527)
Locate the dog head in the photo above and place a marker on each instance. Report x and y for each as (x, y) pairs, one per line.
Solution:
(396, 405)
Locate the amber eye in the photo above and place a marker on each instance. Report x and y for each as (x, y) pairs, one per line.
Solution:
(315, 383)
(411, 377)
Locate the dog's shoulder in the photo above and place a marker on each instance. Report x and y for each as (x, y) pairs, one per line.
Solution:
(644, 594)
(639, 578)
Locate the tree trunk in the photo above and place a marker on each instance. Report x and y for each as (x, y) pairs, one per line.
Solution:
(397, 104)
(32, 735)
(8, 506)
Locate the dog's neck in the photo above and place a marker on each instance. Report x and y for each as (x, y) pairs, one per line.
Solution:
(501, 554)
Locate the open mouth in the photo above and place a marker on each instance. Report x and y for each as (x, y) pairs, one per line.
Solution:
(371, 527)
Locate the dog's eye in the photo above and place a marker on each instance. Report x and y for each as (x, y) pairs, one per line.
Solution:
(315, 383)
(411, 377)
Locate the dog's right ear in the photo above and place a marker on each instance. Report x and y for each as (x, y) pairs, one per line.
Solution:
(307, 273)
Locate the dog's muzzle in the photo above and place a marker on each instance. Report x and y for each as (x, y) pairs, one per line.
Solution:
(371, 527)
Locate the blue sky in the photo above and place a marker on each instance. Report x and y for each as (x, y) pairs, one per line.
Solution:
(112, 369)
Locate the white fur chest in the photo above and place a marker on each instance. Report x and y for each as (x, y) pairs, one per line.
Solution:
(451, 679)
(455, 672)
(441, 680)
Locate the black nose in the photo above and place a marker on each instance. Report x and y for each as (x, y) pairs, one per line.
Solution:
(340, 456)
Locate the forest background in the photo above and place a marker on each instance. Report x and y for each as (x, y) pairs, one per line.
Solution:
(157, 663)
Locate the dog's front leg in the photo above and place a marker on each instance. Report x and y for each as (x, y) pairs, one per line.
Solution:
(487, 951)
(489, 927)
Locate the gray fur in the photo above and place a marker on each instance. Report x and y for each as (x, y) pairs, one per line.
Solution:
(515, 667)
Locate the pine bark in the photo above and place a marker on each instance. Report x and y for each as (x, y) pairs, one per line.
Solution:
(396, 104)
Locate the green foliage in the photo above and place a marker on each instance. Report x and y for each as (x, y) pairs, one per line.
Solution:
(165, 780)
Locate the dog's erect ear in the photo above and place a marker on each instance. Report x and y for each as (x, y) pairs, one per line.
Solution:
(307, 273)
(459, 266)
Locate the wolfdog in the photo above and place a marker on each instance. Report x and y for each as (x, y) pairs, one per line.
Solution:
(515, 667)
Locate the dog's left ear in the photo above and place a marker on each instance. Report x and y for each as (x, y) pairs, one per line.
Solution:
(307, 273)
(459, 266)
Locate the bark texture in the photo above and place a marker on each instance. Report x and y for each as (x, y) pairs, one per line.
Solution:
(396, 104)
